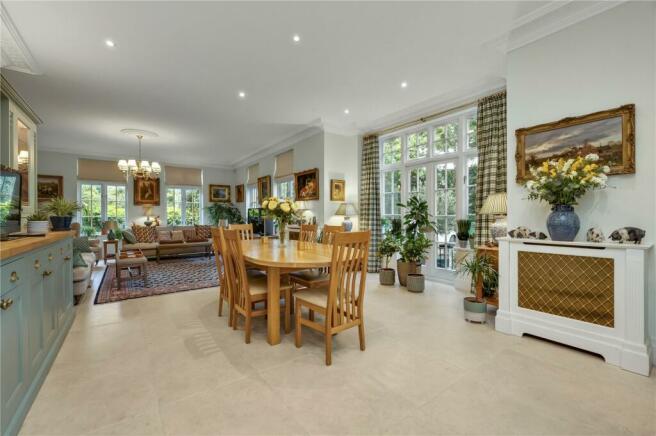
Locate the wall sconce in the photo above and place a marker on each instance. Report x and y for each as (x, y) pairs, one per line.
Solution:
(23, 157)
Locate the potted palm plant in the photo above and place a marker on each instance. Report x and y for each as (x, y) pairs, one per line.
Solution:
(61, 212)
(463, 232)
(416, 222)
(37, 223)
(485, 277)
(224, 213)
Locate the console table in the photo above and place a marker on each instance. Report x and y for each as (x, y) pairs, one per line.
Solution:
(587, 295)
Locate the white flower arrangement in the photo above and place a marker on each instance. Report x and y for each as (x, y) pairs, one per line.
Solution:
(281, 210)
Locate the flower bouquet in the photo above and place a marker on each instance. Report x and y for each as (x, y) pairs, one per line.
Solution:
(283, 211)
(560, 183)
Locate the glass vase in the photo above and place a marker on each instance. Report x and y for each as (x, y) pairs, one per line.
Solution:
(282, 233)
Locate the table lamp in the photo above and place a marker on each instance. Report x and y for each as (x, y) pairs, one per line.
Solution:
(111, 225)
(148, 211)
(496, 205)
(347, 210)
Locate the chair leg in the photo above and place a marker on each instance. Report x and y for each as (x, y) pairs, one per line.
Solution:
(288, 311)
(311, 315)
(235, 319)
(297, 315)
(220, 304)
(247, 328)
(361, 334)
(329, 347)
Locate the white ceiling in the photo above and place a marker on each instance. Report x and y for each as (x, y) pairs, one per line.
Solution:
(177, 67)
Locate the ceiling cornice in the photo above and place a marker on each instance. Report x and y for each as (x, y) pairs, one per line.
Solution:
(15, 54)
(547, 20)
(12, 94)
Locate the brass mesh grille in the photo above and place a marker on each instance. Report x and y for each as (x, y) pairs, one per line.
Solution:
(576, 287)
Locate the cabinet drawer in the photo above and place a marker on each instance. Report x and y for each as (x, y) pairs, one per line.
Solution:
(12, 274)
(35, 264)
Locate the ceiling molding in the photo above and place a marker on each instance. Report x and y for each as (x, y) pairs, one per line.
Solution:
(547, 20)
(12, 94)
(15, 54)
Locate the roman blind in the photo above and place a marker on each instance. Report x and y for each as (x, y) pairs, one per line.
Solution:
(253, 174)
(99, 170)
(284, 164)
(180, 176)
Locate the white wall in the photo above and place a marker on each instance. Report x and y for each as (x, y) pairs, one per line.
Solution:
(600, 63)
(341, 161)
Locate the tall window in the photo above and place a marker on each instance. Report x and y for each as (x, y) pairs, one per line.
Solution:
(438, 162)
(183, 206)
(285, 188)
(251, 196)
(101, 202)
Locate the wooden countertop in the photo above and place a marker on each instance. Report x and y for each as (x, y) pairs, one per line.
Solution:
(19, 246)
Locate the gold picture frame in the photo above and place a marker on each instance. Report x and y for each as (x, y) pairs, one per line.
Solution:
(337, 190)
(239, 193)
(306, 185)
(263, 188)
(609, 133)
(146, 191)
(219, 193)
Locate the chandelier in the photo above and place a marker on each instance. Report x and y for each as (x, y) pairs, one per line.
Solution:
(139, 168)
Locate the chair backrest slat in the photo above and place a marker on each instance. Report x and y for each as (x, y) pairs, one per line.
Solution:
(236, 275)
(349, 260)
(329, 233)
(245, 231)
(218, 255)
(308, 233)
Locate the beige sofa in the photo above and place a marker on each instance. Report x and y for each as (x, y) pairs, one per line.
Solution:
(159, 249)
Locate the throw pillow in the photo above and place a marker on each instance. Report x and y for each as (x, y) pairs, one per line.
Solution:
(177, 236)
(189, 234)
(163, 235)
(129, 237)
(78, 260)
(145, 233)
(203, 232)
(81, 244)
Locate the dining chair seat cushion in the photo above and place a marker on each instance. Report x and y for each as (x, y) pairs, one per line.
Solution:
(316, 296)
(258, 285)
(310, 275)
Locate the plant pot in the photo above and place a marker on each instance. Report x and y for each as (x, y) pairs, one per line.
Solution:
(475, 310)
(387, 276)
(405, 268)
(416, 282)
(60, 223)
(463, 243)
(563, 224)
(34, 227)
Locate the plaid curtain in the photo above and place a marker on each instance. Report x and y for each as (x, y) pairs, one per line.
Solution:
(491, 123)
(370, 197)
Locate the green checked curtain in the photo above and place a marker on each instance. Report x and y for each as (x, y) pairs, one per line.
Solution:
(491, 122)
(370, 197)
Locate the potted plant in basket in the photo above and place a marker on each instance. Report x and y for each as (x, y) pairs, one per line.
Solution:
(61, 212)
(414, 243)
(224, 213)
(38, 223)
(485, 278)
(560, 183)
(463, 232)
(283, 212)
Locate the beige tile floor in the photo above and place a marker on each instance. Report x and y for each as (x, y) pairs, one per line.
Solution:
(169, 365)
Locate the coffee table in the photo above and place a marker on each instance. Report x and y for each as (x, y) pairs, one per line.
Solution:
(131, 260)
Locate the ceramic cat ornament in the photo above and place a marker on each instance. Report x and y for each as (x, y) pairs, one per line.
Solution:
(628, 234)
(595, 234)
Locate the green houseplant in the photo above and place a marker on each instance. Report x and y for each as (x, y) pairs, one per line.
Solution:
(224, 211)
(388, 248)
(37, 223)
(414, 242)
(61, 212)
(482, 272)
(463, 227)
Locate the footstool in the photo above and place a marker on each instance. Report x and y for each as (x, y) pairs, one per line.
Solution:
(131, 260)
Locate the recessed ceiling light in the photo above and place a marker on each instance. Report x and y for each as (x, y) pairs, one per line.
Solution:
(296, 38)
(109, 43)
(346, 111)
(404, 84)
(241, 94)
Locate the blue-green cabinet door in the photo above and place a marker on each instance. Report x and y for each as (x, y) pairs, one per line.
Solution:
(34, 319)
(12, 352)
(49, 315)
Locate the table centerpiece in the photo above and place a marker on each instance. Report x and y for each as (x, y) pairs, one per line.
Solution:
(282, 211)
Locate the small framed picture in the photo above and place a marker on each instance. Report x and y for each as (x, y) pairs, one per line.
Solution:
(263, 187)
(239, 193)
(146, 191)
(337, 190)
(49, 187)
(306, 184)
(220, 193)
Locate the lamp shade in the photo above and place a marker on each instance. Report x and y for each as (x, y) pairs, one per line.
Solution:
(495, 204)
(148, 210)
(346, 209)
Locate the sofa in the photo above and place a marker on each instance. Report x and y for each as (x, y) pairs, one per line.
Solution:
(159, 241)
(82, 276)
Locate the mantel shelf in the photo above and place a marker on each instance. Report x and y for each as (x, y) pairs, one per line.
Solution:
(577, 244)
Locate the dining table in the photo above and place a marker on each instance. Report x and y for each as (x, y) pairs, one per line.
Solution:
(277, 259)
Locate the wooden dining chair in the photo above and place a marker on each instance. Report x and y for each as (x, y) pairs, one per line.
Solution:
(224, 294)
(245, 231)
(318, 277)
(342, 302)
(308, 233)
(247, 292)
(329, 233)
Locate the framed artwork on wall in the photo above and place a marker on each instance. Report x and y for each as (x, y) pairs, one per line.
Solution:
(306, 184)
(219, 193)
(146, 191)
(49, 187)
(263, 187)
(610, 134)
(337, 190)
(239, 193)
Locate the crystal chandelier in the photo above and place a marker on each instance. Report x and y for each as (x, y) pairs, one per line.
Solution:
(139, 168)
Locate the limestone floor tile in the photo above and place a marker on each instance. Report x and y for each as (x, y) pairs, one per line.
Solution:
(145, 424)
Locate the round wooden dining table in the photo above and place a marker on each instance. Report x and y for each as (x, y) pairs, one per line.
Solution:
(268, 255)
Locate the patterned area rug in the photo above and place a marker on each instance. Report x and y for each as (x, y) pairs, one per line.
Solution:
(170, 275)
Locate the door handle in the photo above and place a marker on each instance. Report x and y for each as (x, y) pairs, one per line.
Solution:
(47, 273)
(37, 264)
(13, 277)
(6, 304)
(49, 256)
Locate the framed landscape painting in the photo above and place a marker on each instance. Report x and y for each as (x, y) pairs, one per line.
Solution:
(239, 193)
(220, 193)
(306, 184)
(49, 187)
(146, 191)
(609, 134)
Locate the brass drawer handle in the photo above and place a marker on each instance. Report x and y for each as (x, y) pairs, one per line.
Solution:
(50, 256)
(6, 304)
(67, 258)
(37, 264)
(47, 273)
(13, 277)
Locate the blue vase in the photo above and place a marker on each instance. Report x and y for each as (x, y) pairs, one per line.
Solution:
(563, 224)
